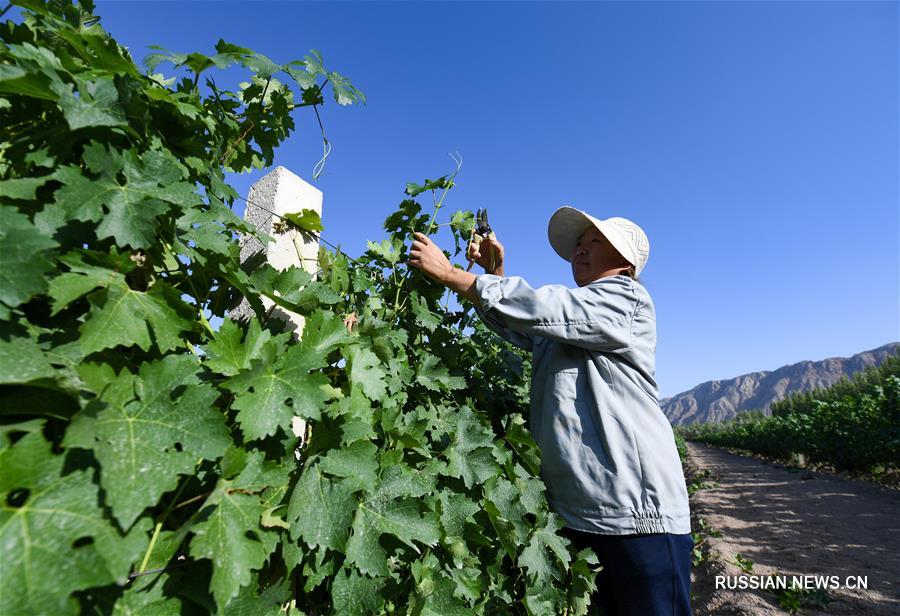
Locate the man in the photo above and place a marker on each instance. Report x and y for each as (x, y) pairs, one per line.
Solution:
(608, 453)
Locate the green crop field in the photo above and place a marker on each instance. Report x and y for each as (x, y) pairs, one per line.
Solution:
(853, 425)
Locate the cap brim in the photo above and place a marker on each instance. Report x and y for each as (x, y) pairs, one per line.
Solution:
(566, 226)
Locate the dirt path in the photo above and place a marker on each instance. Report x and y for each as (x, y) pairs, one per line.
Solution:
(794, 523)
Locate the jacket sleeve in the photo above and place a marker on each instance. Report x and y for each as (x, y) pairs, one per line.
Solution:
(521, 340)
(597, 317)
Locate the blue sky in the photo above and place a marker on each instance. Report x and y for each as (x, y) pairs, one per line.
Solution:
(756, 143)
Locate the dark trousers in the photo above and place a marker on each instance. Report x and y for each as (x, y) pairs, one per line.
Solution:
(643, 575)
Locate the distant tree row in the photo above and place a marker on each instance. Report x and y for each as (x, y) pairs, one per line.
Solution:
(852, 425)
(858, 383)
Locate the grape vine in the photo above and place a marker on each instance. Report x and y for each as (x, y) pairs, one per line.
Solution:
(147, 462)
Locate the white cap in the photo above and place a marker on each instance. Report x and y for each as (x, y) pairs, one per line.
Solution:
(568, 224)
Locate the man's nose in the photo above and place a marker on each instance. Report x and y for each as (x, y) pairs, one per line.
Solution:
(580, 250)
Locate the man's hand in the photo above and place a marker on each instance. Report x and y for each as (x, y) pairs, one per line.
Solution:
(426, 256)
(482, 255)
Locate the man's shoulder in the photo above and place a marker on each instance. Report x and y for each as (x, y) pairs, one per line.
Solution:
(625, 290)
(619, 285)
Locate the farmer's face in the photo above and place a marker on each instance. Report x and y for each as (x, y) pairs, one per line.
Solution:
(594, 257)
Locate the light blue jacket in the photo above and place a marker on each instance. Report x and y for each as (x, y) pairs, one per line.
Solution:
(608, 453)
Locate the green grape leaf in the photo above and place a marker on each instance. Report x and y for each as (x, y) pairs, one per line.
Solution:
(122, 316)
(96, 104)
(521, 442)
(23, 257)
(462, 223)
(344, 92)
(197, 62)
(131, 224)
(536, 557)
(231, 350)
(505, 502)
(322, 333)
(19, 428)
(23, 361)
(314, 63)
(355, 595)
(470, 455)
(532, 494)
(321, 510)
(286, 284)
(269, 602)
(272, 392)
(456, 510)
(543, 599)
(261, 65)
(203, 230)
(424, 317)
(336, 267)
(294, 289)
(436, 377)
(473, 467)
(297, 70)
(318, 293)
(413, 190)
(389, 251)
(469, 583)
(41, 158)
(317, 567)
(584, 571)
(99, 51)
(359, 416)
(55, 537)
(399, 480)
(231, 534)
(35, 77)
(305, 220)
(125, 212)
(152, 428)
(82, 278)
(268, 397)
(80, 197)
(358, 463)
(23, 188)
(151, 601)
(435, 591)
(385, 512)
(406, 220)
(366, 372)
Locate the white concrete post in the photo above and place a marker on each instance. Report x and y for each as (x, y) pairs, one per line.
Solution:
(280, 192)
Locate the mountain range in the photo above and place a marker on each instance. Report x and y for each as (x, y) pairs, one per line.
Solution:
(724, 399)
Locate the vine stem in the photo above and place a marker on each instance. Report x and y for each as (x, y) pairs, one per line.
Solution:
(203, 319)
(262, 97)
(190, 347)
(158, 528)
(191, 500)
(437, 208)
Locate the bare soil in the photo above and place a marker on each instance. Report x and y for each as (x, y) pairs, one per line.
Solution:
(793, 523)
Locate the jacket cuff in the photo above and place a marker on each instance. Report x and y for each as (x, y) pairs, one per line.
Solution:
(489, 291)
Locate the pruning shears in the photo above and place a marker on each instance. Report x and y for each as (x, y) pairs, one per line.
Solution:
(480, 232)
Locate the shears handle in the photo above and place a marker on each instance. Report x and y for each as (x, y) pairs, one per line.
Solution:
(477, 240)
